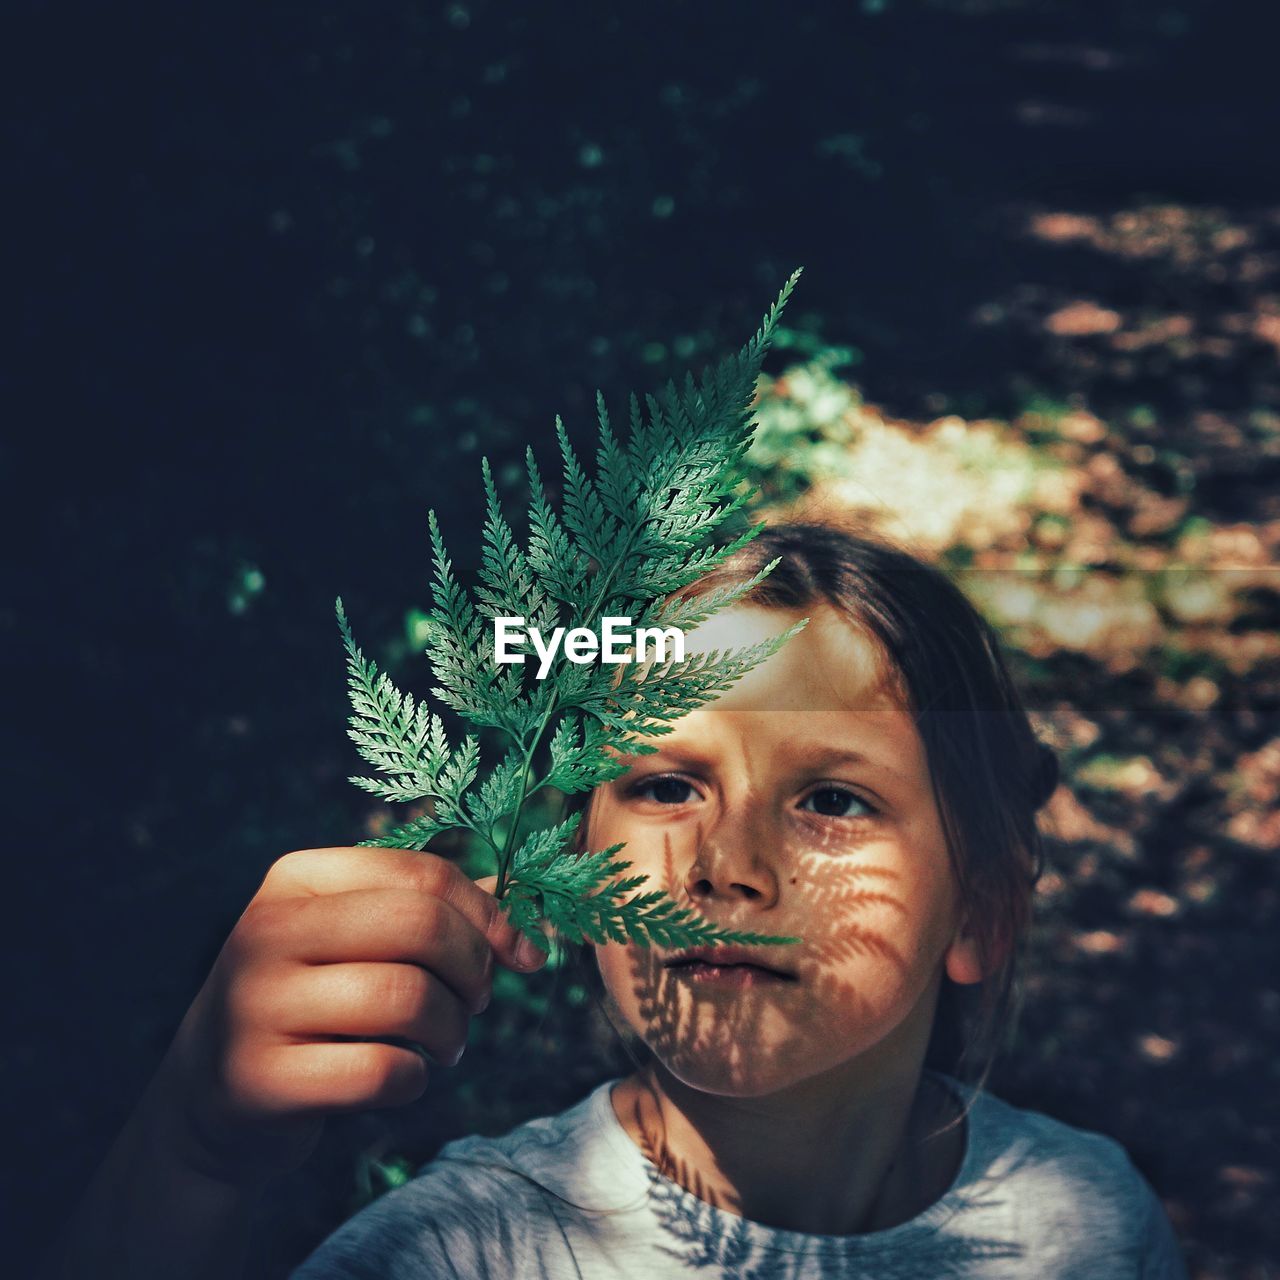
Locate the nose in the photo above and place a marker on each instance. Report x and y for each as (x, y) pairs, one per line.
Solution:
(729, 865)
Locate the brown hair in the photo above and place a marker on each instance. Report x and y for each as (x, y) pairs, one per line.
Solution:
(990, 774)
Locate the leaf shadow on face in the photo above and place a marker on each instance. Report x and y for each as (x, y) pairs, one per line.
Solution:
(844, 908)
(686, 1022)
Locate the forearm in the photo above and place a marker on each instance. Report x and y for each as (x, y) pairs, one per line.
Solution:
(149, 1213)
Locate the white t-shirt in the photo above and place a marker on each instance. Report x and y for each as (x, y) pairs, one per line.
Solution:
(572, 1197)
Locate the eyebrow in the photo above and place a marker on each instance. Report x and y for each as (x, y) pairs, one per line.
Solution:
(815, 754)
(810, 755)
(830, 755)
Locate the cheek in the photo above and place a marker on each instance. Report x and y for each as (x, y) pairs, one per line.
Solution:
(921, 880)
(606, 958)
(639, 989)
(866, 973)
(925, 920)
(629, 973)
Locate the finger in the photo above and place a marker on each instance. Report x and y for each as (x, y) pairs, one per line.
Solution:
(393, 925)
(375, 1000)
(488, 884)
(287, 1079)
(320, 871)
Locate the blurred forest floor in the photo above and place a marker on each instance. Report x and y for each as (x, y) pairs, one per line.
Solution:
(333, 259)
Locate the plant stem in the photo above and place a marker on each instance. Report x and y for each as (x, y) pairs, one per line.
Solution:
(504, 855)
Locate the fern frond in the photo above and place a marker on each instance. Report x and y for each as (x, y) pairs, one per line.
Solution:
(584, 511)
(625, 542)
(409, 835)
(457, 657)
(388, 731)
(579, 761)
(497, 795)
(551, 552)
(618, 487)
(586, 898)
(510, 586)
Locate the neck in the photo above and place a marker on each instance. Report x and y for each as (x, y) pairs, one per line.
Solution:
(832, 1155)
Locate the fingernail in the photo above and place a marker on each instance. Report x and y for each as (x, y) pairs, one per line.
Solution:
(528, 953)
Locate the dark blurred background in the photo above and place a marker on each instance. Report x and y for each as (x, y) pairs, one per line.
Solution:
(278, 276)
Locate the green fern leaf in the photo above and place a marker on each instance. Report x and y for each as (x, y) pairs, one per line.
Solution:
(626, 542)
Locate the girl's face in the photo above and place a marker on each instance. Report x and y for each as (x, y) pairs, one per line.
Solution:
(797, 804)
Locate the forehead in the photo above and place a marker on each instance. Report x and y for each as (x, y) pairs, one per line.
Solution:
(830, 689)
(830, 666)
(830, 694)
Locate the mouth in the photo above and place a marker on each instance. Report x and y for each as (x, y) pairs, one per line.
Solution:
(726, 965)
(699, 973)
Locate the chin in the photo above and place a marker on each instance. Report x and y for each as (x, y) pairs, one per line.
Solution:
(733, 1063)
(736, 1078)
(745, 1066)
(745, 1047)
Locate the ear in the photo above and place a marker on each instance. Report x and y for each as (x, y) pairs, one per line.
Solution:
(964, 958)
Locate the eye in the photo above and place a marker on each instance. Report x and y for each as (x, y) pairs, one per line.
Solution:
(833, 802)
(666, 789)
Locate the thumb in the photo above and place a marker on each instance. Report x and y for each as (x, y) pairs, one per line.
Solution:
(510, 946)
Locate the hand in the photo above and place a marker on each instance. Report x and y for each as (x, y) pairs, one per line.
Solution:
(343, 962)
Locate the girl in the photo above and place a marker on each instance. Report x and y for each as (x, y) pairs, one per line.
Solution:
(797, 1110)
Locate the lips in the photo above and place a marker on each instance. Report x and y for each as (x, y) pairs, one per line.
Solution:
(728, 958)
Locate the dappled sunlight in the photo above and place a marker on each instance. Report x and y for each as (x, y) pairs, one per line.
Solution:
(1253, 797)
(1058, 524)
(1190, 238)
(1180, 319)
(935, 483)
(1081, 318)
(1095, 613)
(1073, 823)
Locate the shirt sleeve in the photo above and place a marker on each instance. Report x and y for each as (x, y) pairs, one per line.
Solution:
(434, 1226)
